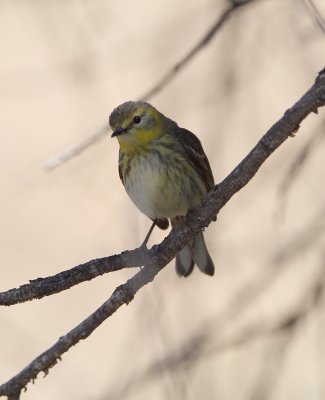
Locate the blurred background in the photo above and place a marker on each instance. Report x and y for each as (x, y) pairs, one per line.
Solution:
(256, 329)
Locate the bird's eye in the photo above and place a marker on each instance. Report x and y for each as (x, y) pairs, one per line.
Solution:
(137, 119)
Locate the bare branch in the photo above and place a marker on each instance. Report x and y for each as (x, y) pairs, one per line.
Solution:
(159, 255)
(195, 221)
(66, 155)
(40, 287)
(232, 7)
(122, 295)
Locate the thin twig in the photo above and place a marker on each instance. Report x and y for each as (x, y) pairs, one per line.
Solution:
(208, 36)
(66, 155)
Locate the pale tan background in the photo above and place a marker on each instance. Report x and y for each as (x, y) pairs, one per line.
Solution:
(64, 67)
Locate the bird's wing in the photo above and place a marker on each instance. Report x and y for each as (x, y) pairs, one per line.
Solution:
(120, 172)
(195, 154)
(120, 167)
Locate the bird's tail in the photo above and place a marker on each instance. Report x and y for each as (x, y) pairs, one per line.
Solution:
(197, 253)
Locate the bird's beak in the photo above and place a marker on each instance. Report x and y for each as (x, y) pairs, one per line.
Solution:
(119, 131)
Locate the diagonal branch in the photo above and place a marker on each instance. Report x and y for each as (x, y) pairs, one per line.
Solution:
(208, 36)
(69, 153)
(159, 255)
(122, 295)
(196, 220)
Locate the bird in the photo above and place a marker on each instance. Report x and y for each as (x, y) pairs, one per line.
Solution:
(165, 172)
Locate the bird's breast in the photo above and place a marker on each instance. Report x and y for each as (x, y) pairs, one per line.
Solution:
(162, 185)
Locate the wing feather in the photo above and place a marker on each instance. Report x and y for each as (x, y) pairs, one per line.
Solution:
(196, 155)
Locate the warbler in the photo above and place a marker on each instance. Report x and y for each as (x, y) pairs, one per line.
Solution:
(165, 172)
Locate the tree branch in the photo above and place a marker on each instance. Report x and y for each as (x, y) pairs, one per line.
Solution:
(159, 255)
(196, 220)
(205, 40)
(67, 154)
(122, 295)
(40, 287)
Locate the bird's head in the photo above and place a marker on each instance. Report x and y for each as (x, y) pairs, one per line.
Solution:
(136, 125)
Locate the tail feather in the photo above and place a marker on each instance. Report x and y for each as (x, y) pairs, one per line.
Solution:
(197, 253)
(184, 261)
(201, 255)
